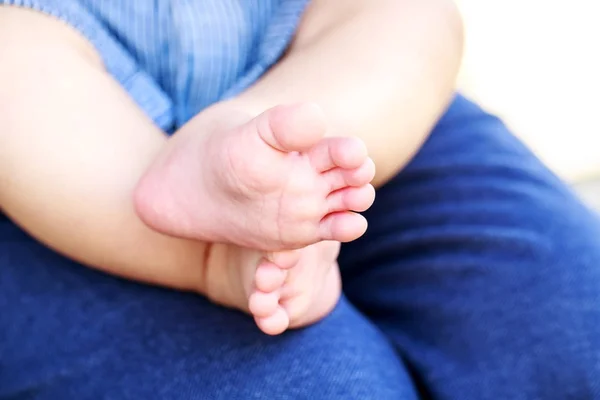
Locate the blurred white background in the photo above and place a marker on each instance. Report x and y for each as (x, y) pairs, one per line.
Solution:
(537, 64)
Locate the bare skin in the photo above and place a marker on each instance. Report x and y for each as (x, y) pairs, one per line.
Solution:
(302, 213)
(79, 200)
(281, 290)
(272, 182)
(77, 195)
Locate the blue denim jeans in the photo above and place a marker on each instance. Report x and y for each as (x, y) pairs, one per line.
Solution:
(479, 278)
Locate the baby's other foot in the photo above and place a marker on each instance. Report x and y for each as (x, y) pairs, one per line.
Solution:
(290, 292)
(280, 290)
(274, 182)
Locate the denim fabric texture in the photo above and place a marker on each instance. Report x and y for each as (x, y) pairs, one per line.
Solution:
(478, 279)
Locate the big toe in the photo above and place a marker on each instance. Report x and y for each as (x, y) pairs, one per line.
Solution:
(292, 127)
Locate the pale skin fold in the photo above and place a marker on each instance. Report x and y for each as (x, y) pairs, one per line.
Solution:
(74, 146)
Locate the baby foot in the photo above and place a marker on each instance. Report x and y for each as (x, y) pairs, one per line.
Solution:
(272, 183)
(280, 290)
(293, 293)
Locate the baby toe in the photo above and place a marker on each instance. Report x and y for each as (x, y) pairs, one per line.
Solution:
(339, 178)
(343, 226)
(269, 277)
(274, 324)
(344, 152)
(263, 305)
(351, 199)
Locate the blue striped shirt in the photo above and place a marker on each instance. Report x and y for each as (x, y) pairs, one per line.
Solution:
(176, 57)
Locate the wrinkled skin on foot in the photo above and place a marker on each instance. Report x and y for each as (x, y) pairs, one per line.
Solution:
(280, 290)
(273, 182)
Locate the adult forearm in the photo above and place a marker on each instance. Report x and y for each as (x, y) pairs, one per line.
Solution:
(383, 71)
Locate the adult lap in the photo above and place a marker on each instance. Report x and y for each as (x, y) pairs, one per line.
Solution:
(68, 331)
(483, 268)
